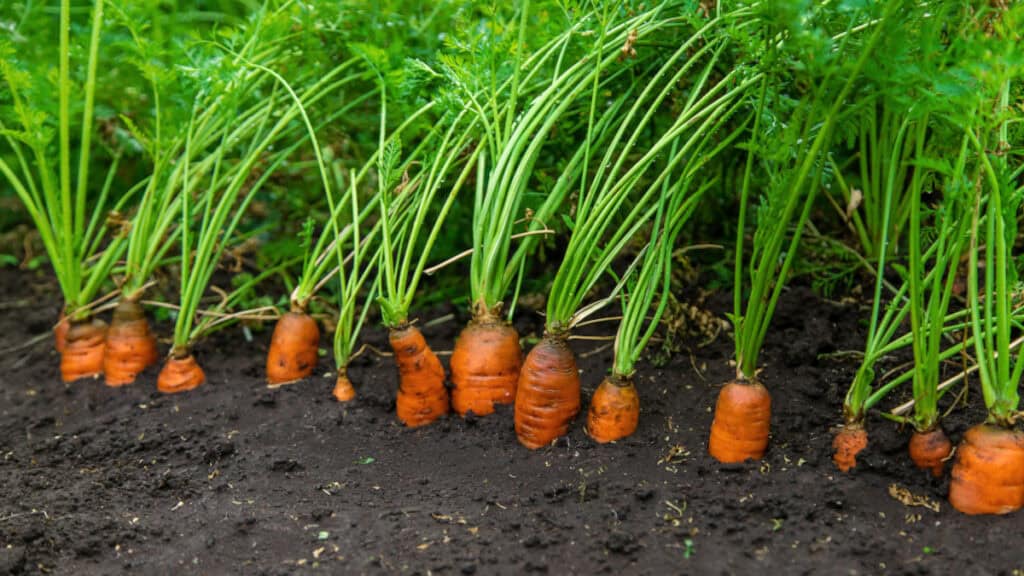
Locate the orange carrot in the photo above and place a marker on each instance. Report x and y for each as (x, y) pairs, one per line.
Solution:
(83, 351)
(485, 367)
(846, 444)
(60, 333)
(988, 476)
(180, 373)
(930, 450)
(548, 393)
(131, 346)
(343, 390)
(739, 431)
(422, 397)
(293, 348)
(614, 410)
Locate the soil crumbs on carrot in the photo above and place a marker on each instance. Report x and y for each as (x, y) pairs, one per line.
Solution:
(236, 478)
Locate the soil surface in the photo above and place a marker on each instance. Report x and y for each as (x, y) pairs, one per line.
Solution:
(236, 478)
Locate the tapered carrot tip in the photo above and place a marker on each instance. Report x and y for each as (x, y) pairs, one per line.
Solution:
(739, 431)
(930, 450)
(131, 346)
(988, 475)
(343, 390)
(485, 367)
(614, 410)
(846, 444)
(60, 333)
(180, 375)
(548, 393)
(293, 349)
(422, 397)
(83, 351)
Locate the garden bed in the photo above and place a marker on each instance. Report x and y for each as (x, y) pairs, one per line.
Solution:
(236, 478)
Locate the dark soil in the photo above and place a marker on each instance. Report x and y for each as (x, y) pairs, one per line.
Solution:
(236, 478)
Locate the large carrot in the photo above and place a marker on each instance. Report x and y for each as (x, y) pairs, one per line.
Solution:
(422, 397)
(847, 444)
(614, 410)
(83, 350)
(988, 476)
(739, 431)
(293, 348)
(180, 373)
(131, 346)
(485, 366)
(548, 393)
(929, 450)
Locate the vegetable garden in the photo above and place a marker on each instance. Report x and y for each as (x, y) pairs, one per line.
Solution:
(500, 287)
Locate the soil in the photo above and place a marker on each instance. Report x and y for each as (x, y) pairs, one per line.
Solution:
(236, 478)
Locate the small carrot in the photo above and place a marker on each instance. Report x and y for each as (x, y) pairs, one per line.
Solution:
(60, 333)
(422, 397)
(548, 392)
(614, 410)
(83, 351)
(131, 346)
(485, 366)
(847, 443)
(293, 349)
(930, 450)
(988, 475)
(180, 373)
(739, 431)
(343, 390)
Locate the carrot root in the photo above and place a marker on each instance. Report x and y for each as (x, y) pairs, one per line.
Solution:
(343, 390)
(485, 367)
(131, 346)
(180, 374)
(422, 397)
(614, 410)
(930, 450)
(83, 351)
(739, 431)
(294, 348)
(988, 475)
(60, 333)
(548, 393)
(848, 442)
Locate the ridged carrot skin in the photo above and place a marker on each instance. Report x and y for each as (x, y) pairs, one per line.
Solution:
(847, 444)
(131, 346)
(930, 450)
(988, 476)
(548, 393)
(614, 410)
(739, 431)
(180, 374)
(83, 350)
(485, 367)
(294, 348)
(422, 396)
(343, 389)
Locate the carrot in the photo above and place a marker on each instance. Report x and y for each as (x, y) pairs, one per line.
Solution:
(930, 450)
(422, 397)
(180, 373)
(293, 348)
(614, 410)
(60, 333)
(131, 346)
(846, 444)
(485, 367)
(742, 417)
(988, 475)
(547, 394)
(83, 351)
(343, 390)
